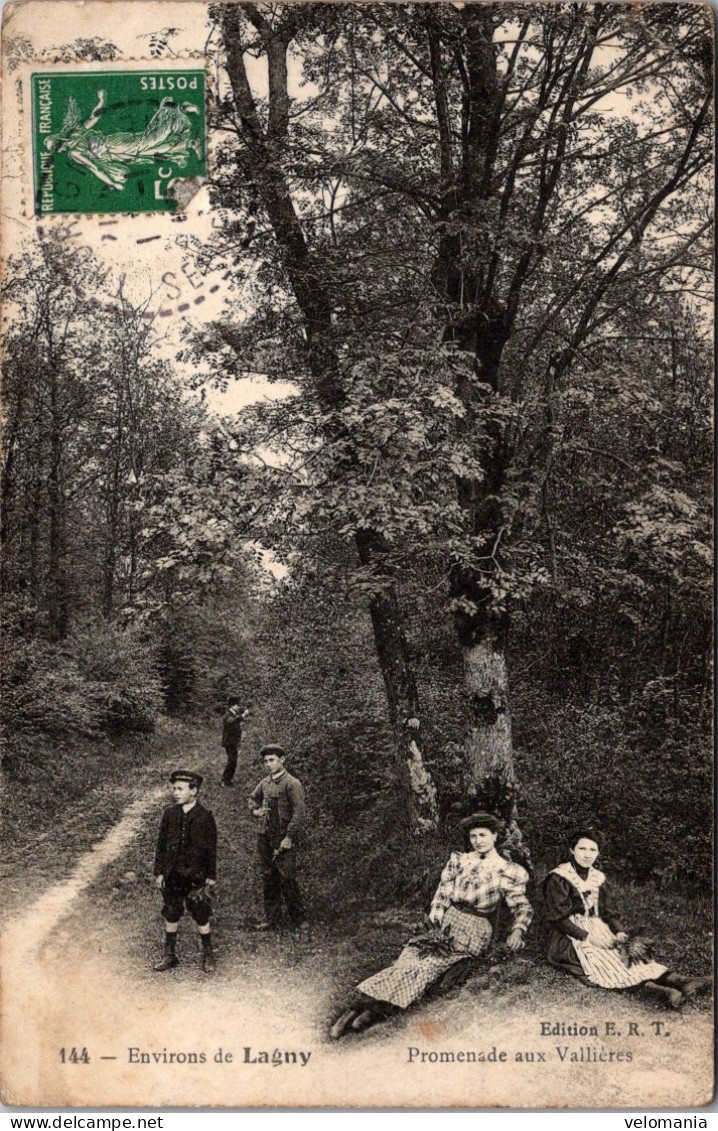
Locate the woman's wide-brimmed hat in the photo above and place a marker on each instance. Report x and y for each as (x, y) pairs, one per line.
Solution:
(481, 821)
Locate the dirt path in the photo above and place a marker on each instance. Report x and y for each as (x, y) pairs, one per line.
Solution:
(78, 974)
(43, 916)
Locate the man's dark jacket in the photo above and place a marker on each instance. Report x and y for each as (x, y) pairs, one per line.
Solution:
(200, 854)
(232, 727)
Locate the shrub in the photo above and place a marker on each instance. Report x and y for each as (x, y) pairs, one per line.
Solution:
(649, 792)
(42, 691)
(98, 680)
(120, 671)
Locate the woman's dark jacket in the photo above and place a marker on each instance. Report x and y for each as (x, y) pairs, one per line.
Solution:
(561, 901)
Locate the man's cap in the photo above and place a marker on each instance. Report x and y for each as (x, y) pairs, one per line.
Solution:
(186, 775)
(481, 821)
(273, 749)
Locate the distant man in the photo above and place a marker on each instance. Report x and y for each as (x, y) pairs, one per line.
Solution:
(186, 866)
(278, 803)
(231, 737)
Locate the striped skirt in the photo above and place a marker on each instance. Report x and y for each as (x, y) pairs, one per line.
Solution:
(603, 966)
(415, 970)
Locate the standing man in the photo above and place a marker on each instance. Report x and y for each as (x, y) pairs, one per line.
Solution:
(278, 802)
(231, 737)
(186, 866)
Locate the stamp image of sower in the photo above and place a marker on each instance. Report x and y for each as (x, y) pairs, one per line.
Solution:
(116, 141)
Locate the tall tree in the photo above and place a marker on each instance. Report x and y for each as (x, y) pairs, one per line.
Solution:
(49, 350)
(261, 152)
(497, 180)
(96, 429)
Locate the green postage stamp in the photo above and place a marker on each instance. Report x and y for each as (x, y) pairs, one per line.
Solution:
(116, 140)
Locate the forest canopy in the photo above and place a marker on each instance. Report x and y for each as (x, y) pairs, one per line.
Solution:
(475, 241)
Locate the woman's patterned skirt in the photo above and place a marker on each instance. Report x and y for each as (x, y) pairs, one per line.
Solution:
(417, 967)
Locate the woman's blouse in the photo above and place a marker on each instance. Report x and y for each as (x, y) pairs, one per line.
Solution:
(578, 891)
(482, 883)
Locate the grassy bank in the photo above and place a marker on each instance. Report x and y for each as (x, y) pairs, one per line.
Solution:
(58, 799)
(366, 889)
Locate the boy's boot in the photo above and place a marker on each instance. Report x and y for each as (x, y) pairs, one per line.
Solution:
(169, 959)
(208, 963)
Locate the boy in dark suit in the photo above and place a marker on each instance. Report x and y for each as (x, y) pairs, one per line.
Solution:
(186, 866)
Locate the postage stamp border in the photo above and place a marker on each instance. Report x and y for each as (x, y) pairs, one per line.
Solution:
(22, 78)
(183, 289)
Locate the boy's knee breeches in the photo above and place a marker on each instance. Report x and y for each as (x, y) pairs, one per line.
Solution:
(176, 890)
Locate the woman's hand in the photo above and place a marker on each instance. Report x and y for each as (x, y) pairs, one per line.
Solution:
(615, 941)
(515, 941)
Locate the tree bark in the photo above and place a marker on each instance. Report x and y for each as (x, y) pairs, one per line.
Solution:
(478, 326)
(401, 690)
(113, 503)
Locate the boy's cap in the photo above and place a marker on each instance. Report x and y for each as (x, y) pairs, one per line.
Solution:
(272, 749)
(186, 775)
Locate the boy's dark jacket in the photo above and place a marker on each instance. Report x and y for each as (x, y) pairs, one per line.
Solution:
(201, 849)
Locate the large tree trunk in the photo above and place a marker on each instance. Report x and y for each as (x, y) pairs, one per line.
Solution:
(113, 506)
(489, 769)
(401, 690)
(263, 154)
(478, 328)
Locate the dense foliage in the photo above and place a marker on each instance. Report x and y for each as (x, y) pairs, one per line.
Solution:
(469, 230)
(119, 509)
(475, 243)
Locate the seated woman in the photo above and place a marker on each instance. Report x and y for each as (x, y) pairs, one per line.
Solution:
(587, 938)
(473, 887)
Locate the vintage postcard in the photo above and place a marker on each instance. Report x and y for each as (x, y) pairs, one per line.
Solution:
(355, 554)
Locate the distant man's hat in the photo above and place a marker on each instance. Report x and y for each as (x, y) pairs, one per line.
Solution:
(481, 821)
(187, 775)
(272, 749)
